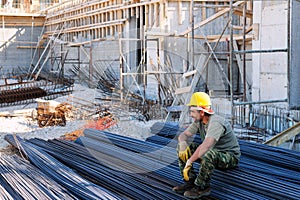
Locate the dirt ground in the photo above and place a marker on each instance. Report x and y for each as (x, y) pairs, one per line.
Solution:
(26, 126)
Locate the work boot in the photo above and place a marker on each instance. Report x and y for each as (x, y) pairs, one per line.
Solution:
(196, 192)
(180, 189)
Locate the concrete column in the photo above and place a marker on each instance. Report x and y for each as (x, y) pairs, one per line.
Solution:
(256, 44)
(270, 69)
(294, 67)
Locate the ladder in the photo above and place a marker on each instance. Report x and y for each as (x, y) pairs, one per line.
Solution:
(183, 94)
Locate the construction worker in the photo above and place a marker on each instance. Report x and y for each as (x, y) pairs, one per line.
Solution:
(219, 148)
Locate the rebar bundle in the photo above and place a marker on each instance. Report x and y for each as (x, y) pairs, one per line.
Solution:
(128, 177)
(24, 181)
(63, 175)
(270, 172)
(22, 91)
(20, 94)
(136, 169)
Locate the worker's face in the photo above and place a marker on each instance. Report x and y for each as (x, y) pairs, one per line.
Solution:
(196, 114)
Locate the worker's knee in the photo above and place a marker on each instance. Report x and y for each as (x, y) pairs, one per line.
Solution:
(209, 158)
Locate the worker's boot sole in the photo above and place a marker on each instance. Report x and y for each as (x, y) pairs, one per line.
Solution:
(180, 189)
(196, 193)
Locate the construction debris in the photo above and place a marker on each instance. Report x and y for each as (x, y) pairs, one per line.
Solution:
(100, 123)
(82, 108)
(50, 113)
(73, 135)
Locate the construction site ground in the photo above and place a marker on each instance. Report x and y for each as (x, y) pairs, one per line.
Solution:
(19, 120)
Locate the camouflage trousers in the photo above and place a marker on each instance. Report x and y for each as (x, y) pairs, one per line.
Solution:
(211, 160)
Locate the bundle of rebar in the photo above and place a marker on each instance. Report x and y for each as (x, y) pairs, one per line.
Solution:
(27, 91)
(20, 180)
(20, 94)
(136, 169)
(63, 175)
(253, 179)
(113, 168)
(272, 172)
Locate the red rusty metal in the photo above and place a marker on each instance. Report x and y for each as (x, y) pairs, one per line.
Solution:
(22, 92)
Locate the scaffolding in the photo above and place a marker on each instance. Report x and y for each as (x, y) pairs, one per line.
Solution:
(142, 42)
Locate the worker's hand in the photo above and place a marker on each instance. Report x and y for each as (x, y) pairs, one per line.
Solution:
(184, 152)
(185, 155)
(186, 170)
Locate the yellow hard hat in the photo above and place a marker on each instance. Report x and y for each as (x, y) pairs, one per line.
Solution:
(201, 101)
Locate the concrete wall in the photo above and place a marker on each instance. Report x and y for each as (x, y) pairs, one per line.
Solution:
(12, 56)
(270, 69)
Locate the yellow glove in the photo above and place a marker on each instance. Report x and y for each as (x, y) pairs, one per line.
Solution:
(185, 155)
(186, 170)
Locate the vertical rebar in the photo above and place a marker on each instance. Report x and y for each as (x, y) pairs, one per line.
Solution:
(244, 58)
(91, 64)
(231, 61)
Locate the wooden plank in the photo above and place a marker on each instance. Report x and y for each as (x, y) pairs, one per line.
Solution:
(22, 20)
(249, 29)
(191, 11)
(213, 17)
(203, 10)
(239, 12)
(190, 73)
(30, 47)
(211, 1)
(183, 90)
(255, 29)
(215, 38)
(240, 64)
(179, 13)
(161, 15)
(16, 113)
(156, 15)
(146, 17)
(284, 136)
(150, 15)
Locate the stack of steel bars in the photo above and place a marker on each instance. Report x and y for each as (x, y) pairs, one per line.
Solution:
(127, 173)
(63, 175)
(272, 172)
(135, 169)
(132, 179)
(248, 181)
(20, 180)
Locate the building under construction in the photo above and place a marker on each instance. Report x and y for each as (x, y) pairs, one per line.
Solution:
(154, 54)
(160, 52)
